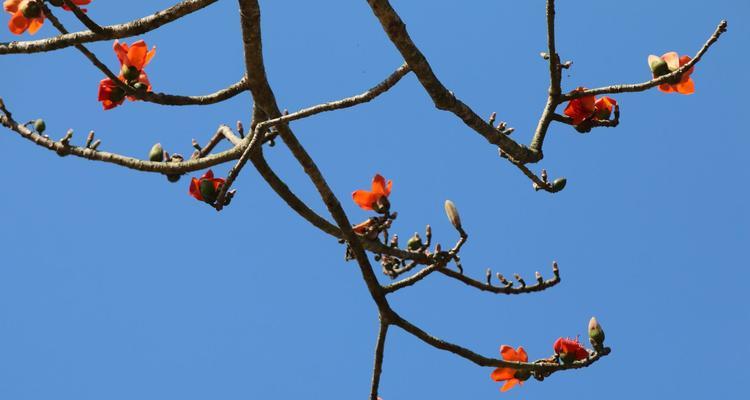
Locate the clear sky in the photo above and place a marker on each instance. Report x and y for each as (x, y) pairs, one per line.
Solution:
(117, 285)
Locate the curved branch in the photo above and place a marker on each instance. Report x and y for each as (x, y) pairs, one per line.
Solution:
(132, 28)
(508, 289)
(640, 87)
(213, 98)
(541, 366)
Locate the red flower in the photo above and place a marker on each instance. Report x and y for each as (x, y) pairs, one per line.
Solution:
(669, 63)
(206, 188)
(110, 94)
(588, 107)
(570, 350)
(377, 198)
(28, 15)
(511, 376)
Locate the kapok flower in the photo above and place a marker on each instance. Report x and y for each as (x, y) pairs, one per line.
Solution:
(28, 15)
(569, 350)
(589, 107)
(667, 64)
(206, 188)
(133, 58)
(377, 198)
(511, 376)
(110, 94)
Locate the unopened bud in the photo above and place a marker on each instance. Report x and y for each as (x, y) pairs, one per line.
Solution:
(596, 333)
(157, 153)
(452, 212)
(414, 243)
(208, 191)
(39, 125)
(559, 184)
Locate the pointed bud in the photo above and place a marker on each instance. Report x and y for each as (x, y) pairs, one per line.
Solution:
(452, 212)
(414, 243)
(596, 333)
(157, 153)
(559, 184)
(39, 125)
(658, 66)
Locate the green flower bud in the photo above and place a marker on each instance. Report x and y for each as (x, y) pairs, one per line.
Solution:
(31, 10)
(157, 153)
(596, 333)
(173, 178)
(39, 125)
(559, 184)
(658, 66)
(129, 72)
(452, 212)
(414, 243)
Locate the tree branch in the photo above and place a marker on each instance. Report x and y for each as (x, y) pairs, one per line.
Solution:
(132, 28)
(377, 368)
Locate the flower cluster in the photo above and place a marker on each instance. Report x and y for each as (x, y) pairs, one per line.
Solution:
(28, 15)
(587, 109)
(132, 59)
(206, 188)
(668, 63)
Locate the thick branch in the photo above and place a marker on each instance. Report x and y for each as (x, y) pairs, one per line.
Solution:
(132, 28)
(441, 96)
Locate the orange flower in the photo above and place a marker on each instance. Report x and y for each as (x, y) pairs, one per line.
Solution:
(669, 63)
(588, 107)
(110, 94)
(569, 350)
(206, 188)
(377, 198)
(28, 15)
(136, 55)
(511, 376)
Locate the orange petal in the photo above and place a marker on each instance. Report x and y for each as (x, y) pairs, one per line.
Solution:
(666, 88)
(195, 189)
(378, 185)
(687, 87)
(36, 23)
(503, 374)
(522, 356)
(137, 54)
(364, 199)
(121, 50)
(150, 55)
(508, 353)
(18, 23)
(509, 384)
(11, 6)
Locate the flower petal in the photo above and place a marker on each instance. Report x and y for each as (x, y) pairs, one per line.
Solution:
(508, 353)
(121, 50)
(672, 60)
(11, 6)
(503, 374)
(137, 54)
(509, 384)
(35, 24)
(378, 185)
(687, 87)
(364, 199)
(522, 356)
(195, 189)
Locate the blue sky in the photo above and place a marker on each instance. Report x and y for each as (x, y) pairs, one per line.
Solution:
(118, 285)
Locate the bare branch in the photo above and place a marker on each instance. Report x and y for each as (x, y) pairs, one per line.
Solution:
(377, 368)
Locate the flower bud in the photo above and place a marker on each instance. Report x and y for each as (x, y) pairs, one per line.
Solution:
(414, 243)
(39, 125)
(31, 10)
(452, 212)
(596, 333)
(658, 66)
(173, 177)
(559, 184)
(157, 153)
(129, 72)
